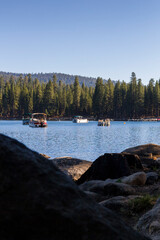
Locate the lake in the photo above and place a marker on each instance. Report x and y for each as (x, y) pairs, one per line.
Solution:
(84, 141)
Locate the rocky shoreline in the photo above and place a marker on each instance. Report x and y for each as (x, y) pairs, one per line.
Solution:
(115, 197)
(127, 183)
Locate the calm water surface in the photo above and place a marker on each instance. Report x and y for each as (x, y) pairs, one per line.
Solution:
(84, 141)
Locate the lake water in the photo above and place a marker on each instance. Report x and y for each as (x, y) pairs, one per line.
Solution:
(84, 141)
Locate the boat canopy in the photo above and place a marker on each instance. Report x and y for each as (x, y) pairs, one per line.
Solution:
(39, 115)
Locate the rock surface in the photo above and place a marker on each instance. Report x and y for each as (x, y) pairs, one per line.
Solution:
(149, 223)
(107, 188)
(95, 185)
(112, 166)
(147, 150)
(118, 189)
(149, 155)
(138, 179)
(152, 177)
(118, 203)
(72, 166)
(40, 202)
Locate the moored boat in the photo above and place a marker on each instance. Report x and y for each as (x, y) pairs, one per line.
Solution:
(79, 119)
(38, 120)
(26, 118)
(105, 122)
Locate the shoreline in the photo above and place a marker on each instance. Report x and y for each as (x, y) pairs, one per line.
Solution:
(90, 119)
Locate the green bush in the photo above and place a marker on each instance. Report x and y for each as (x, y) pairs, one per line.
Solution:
(142, 204)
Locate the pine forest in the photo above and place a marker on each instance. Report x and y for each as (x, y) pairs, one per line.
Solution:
(117, 100)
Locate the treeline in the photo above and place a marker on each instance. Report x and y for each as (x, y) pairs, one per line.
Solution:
(118, 100)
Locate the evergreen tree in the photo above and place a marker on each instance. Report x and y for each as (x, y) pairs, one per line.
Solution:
(55, 86)
(83, 100)
(76, 96)
(69, 101)
(5, 100)
(48, 97)
(117, 100)
(156, 99)
(124, 90)
(132, 96)
(98, 97)
(110, 98)
(61, 98)
(140, 98)
(38, 99)
(150, 92)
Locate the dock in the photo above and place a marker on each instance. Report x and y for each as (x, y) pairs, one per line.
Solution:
(144, 120)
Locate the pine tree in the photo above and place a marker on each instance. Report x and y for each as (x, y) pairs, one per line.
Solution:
(124, 99)
(76, 96)
(38, 99)
(150, 92)
(55, 86)
(5, 100)
(69, 101)
(140, 98)
(98, 97)
(132, 96)
(156, 99)
(48, 97)
(117, 100)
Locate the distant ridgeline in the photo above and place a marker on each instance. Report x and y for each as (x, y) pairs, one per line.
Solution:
(45, 77)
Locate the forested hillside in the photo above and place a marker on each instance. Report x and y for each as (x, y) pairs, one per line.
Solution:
(45, 77)
(119, 101)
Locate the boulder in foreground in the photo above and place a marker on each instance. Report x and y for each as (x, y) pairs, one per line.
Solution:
(39, 202)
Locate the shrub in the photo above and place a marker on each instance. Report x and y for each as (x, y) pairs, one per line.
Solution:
(142, 204)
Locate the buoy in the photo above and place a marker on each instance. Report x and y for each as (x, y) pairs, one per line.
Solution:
(124, 123)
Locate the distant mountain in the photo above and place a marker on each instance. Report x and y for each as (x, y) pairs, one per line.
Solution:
(45, 77)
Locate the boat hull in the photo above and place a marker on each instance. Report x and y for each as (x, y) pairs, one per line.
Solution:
(80, 120)
(37, 125)
(25, 121)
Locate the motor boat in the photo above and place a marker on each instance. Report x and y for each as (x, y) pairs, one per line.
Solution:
(26, 118)
(38, 120)
(79, 119)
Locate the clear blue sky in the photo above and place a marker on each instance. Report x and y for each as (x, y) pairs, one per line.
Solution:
(106, 38)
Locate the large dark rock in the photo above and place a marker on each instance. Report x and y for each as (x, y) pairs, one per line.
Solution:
(112, 166)
(72, 166)
(39, 202)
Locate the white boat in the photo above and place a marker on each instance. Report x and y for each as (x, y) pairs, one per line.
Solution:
(79, 119)
(38, 120)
